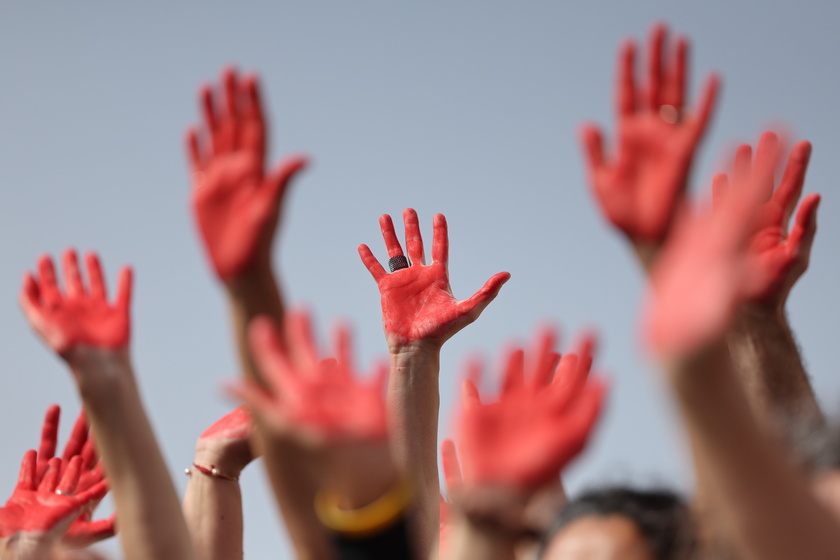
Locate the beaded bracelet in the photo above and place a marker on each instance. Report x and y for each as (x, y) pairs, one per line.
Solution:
(212, 471)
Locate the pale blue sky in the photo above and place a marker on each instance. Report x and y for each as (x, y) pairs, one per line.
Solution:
(465, 108)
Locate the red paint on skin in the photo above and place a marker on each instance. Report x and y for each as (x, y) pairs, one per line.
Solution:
(417, 302)
(79, 316)
(779, 257)
(707, 267)
(537, 426)
(640, 186)
(236, 202)
(233, 425)
(318, 399)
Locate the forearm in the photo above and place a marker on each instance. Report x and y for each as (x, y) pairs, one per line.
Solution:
(751, 484)
(23, 546)
(413, 407)
(213, 512)
(250, 296)
(150, 519)
(767, 360)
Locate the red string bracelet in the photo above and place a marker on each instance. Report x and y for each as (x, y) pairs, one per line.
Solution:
(212, 471)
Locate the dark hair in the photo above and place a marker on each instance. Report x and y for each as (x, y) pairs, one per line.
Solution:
(661, 516)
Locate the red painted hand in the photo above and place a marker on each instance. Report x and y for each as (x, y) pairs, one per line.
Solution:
(640, 187)
(83, 531)
(79, 317)
(317, 401)
(538, 425)
(780, 258)
(706, 268)
(226, 444)
(236, 203)
(417, 301)
(48, 506)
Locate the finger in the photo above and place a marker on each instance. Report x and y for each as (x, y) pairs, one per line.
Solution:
(194, 151)
(440, 240)
(470, 398)
(86, 533)
(766, 160)
(413, 240)
(89, 477)
(514, 379)
(679, 74)
(26, 477)
(280, 178)
(95, 277)
(229, 85)
(593, 146)
(707, 105)
(476, 303)
(70, 478)
(78, 437)
(542, 357)
(301, 340)
(805, 228)
(50, 479)
(253, 102)
(49, 435)
(253, 135)
(585, 350)
(72, 276)
(720, 188)
(30, 297)
(124, 284)
(89, 455)
(742, 169)
(93, 494)
(376, 270)
(580, 419)
(451, 466)
(657, 43)
(626, 79)
(268, 349)
(50, 294)
(389, 236)
(343, 350)
(211, 121)
(793, 178)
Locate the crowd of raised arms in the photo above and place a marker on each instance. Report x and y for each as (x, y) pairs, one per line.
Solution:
(352, 457)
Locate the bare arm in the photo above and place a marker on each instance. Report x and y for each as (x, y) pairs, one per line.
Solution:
(237, 204)
(92, 335)
(419, 313)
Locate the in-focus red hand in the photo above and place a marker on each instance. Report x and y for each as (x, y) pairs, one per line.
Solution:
(318, 401)
(417, 301)
(235, 201)
(640, 186)
(51, 505)
(79, 316)
(706, 268)
(83, 531)
(537, 426)
(780, 258)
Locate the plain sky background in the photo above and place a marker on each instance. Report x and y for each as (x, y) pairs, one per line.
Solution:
(468, 108)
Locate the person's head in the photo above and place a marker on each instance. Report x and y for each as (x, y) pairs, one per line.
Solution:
(619, 523)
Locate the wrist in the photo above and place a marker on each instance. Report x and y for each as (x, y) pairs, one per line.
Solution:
(27, 546)
(256, 277)
(751, 314)
(226, 463)
(98, 371)
(422, 350)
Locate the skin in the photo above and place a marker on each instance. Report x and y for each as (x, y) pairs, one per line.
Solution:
(213, 505)
(92, 334)
(611, 537)
(237, 203)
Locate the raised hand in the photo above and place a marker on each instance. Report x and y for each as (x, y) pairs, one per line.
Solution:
(539, 423)
(640, 186)
(317, 401)
(236, 202)
(80, 316)
(83, 531)
(778, 257)
(226, 444)
(707, 267)
(417, 301)
(49, 506)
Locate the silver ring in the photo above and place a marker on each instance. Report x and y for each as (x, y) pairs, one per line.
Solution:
(398, 262)
(62, 493)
